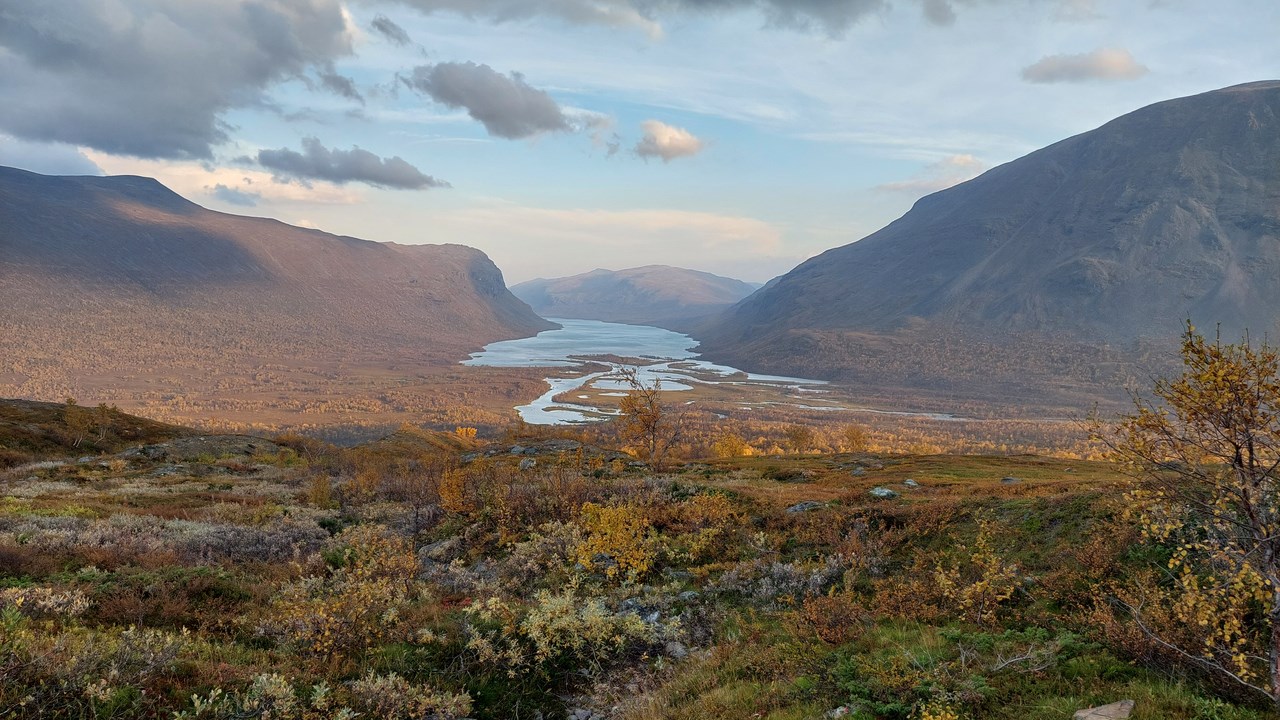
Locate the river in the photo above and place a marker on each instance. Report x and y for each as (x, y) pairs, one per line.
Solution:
(658, 355)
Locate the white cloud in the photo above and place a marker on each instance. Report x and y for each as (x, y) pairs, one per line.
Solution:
(667, 142)
(939, 176)
(1101, 64)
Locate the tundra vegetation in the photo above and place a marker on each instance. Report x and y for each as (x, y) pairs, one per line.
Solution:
(785, 571)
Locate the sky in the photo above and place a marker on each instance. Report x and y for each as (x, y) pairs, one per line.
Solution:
(738, 137)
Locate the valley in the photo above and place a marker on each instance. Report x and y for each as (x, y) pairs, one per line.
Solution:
(1015, 455)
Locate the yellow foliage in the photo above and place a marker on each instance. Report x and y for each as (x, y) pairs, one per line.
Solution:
(620, 533)
(937, 710)
(465, 432)
(981, 581)
(731, 445)
(454, 495)
(357, 606)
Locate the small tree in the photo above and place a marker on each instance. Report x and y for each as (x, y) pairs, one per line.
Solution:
(645, 421)
(1206, 455)
(78, 422)
(799, 437)
(853, 438)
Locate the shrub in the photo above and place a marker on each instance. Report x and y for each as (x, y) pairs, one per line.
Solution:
(980, 581)
(617, 540)
(559, 628)
(353, 608)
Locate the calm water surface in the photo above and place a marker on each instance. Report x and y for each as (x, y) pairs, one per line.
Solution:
(668, 356)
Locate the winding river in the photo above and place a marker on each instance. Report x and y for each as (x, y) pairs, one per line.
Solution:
(659, 355)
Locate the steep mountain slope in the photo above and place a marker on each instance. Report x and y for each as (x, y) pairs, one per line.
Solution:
(651, 295)
(117, 280)
(1102, 242)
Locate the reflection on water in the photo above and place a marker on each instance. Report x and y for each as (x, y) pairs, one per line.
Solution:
(667, 358)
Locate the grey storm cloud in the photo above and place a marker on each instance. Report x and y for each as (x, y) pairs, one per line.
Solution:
(153, 78)
(1101, 64)
(506, 105)
(340, 85)
(833, 17)
(391, 31)
(317, 162)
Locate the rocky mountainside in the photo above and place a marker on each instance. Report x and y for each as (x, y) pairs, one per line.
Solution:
(119, 279)
(651, 295)
(1077, 255)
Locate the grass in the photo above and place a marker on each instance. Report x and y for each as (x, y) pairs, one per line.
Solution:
(223, 542)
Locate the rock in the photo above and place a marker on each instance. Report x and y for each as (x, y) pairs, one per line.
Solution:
(676, 650)
(517, 450)
(528, 464)
(680, 575)
(603, 561)
(1010, 480)
(441, 550)
(689, 596)
(883, 493)
(842, 711)
(806, 506)
(1114, 711)
(911, 483)
(653, 617)
(859, 471)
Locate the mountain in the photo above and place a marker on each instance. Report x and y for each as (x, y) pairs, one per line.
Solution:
(117, 282)
(651, 295)
(1049, 270)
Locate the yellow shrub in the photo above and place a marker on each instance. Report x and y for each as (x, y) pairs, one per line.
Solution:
(620, 533)
(354, 608)
(981, 581)
(454, 495)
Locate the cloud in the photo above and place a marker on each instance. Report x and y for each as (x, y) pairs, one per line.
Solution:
(506, 105)
(154, 78)
(939, 176)
(46, 158)
(340, 85)
(667, 142)
(193, 179)
(1101, 64)
(391, 31)
(316, 162)
(235, 196)
(609, 13)
(939, 12)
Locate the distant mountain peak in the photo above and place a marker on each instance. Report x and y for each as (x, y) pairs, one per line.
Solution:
(648, 295)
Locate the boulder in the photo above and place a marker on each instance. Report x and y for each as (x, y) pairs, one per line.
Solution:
(911, 483)
(883, 493)
(806, 506)
(1114, 711)
(1010, 480)
(528, 464)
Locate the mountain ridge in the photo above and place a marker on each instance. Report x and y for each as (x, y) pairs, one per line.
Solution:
(1109, 239)
(121, 281)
